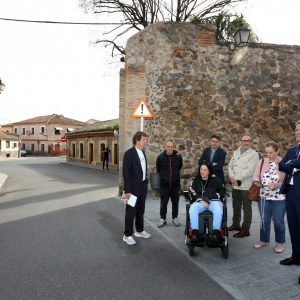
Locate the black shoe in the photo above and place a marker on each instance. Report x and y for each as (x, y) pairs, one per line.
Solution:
(290, 261)
(299, 280)
(216, 237)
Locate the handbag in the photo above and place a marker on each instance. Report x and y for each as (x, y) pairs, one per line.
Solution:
(254, 191)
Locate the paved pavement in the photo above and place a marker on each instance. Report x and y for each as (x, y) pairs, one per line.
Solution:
(248, 273)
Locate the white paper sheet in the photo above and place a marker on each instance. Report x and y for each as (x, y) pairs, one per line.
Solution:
(132, 200)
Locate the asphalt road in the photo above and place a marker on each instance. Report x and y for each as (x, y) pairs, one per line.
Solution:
(61, 238)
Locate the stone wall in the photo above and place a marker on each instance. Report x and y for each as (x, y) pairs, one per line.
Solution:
(196, 87)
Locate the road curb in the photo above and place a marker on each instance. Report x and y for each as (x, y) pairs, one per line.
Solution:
(3, 178)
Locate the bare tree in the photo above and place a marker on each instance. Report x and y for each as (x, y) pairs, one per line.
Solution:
(138, 14)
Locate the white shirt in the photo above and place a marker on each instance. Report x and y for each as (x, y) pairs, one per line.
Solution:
(143, 162)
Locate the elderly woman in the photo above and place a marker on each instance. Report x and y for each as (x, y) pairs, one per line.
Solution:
(207, 190)
(271, 204)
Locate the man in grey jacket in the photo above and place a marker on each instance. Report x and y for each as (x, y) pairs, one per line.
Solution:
(240, 169)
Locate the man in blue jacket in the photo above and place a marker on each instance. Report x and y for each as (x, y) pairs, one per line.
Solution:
(214, 155)
(168, 165)
(135, 185)
(290, 164)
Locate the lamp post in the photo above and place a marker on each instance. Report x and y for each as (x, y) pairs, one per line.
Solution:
(2, 86)
(116, 135)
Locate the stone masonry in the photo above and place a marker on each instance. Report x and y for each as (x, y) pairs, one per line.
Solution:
(196, 87)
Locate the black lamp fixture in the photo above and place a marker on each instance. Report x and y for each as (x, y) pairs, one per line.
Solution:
(241, 36)
(2, 86)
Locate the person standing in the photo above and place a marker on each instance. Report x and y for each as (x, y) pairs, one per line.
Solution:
(240, 169)
(135, 185)
(168, 165)
(290, 164)
(271, 203)
(105, 155)
(214, 155)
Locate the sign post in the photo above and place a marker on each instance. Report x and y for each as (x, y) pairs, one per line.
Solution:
(142, 111)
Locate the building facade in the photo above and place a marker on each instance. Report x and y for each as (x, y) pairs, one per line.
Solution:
(43, 135)
(9, 144)
(85, 146)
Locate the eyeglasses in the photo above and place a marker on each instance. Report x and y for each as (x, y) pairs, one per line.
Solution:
(246, 141)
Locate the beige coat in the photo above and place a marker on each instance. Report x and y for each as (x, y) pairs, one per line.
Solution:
(242, 167)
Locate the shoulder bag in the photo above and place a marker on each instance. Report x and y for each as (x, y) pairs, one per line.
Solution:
(254, 191)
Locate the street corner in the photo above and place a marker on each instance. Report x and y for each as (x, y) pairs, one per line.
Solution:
(3, 178)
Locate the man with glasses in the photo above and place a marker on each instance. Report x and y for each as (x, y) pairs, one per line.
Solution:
(290, 164)
(241, 168)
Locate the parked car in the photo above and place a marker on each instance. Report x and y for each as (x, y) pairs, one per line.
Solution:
(23, 153)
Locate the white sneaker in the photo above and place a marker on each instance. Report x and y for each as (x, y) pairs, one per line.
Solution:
(142, 234)
(161, 223)
(176, 222)
(129, 240)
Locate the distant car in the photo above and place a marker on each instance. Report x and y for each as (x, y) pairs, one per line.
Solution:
(23, 153)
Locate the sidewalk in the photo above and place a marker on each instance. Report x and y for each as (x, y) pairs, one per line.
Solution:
(248, 273)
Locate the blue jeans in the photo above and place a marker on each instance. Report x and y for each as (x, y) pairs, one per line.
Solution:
(216, 207)
(272, 209)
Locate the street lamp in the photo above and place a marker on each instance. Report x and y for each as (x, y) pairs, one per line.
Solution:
(241, 36)
(116, 135)
(2, 86)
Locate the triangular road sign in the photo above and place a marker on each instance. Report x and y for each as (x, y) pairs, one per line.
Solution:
(142, 110)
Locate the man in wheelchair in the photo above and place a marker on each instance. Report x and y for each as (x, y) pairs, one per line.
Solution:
(206, 193)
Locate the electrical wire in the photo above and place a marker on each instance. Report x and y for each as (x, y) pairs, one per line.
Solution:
(62, 22)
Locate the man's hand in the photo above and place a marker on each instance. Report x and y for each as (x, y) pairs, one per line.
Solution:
(125, 197)
(233, 180)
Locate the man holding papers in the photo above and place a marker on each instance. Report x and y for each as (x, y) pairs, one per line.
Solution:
(135, 188)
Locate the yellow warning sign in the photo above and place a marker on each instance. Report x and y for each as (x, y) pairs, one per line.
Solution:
(142, 110)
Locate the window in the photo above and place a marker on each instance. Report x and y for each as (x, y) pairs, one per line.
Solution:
(32, 147)
(73, 150)
(15, 130)
(81, 150)
(23, 146)
(32, 130)
(15, 145)
(23, 130)
(42, 130)
(57, 130)
(43, 147)
(7, 144)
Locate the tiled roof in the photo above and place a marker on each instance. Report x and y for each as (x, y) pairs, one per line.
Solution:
(98, 126)
(9, 136)
(49, 119)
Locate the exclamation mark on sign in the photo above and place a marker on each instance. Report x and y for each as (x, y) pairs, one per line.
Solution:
(142, 109)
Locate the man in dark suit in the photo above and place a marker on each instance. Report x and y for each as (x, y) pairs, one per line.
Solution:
(135, 185)
(290, 164)
(215, 155)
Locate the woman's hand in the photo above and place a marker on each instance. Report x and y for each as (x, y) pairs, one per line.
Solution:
(205, 204)
(257, 183)
(272, 186)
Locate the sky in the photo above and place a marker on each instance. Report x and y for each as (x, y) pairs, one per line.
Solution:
(50, 68)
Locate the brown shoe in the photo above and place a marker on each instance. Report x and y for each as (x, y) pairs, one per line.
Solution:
(241, 234)
(234, 228)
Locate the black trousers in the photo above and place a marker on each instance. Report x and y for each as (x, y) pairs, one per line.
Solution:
(105, 160)
(293, 218)
(165, 194)
(136, 213)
